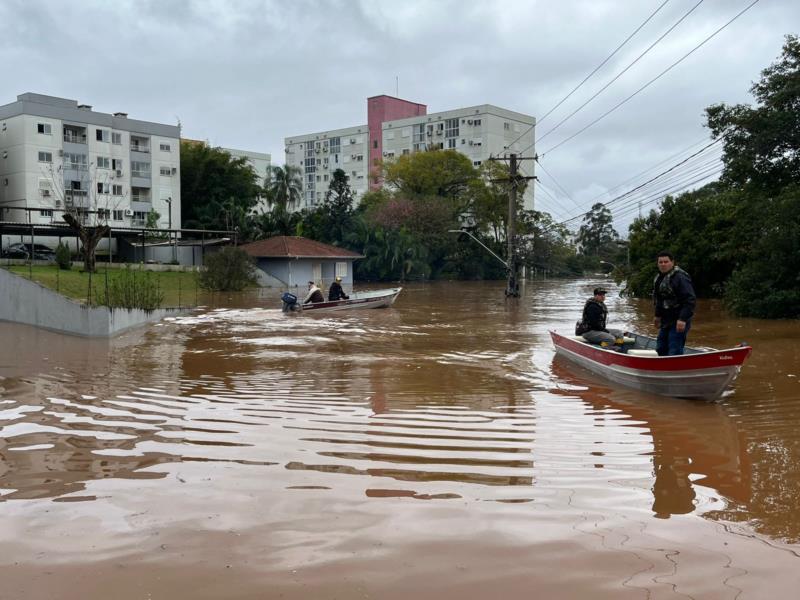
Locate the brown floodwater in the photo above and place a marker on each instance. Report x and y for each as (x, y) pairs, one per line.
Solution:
(436, 449)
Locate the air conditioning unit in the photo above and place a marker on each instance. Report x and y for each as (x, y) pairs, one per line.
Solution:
(352, 140)
(469, 121)
(430, 133)
(58, 203)
(61, 153)
(46, 193)
(119, 172)
(128, 212)
(353, 156)
(385, 153)
(439, 132)
(174, 170)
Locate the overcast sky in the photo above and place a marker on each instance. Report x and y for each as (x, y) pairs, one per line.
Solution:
(246, 74)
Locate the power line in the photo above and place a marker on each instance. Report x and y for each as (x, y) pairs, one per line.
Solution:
(596, 69)
(621, 73)
(649, 83)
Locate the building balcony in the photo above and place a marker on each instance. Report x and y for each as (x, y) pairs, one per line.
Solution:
(140, 148)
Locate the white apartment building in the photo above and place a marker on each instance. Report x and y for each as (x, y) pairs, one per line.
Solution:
(478, 132)
(396, 127)
(58, 155)
(261, 163)
(318, 155)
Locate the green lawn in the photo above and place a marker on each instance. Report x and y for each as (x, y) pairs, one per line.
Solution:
(180, 288)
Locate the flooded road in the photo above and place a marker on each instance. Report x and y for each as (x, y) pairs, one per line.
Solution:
(436, 449)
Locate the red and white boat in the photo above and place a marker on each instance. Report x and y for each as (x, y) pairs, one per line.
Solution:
(698, 373)
(370, 299)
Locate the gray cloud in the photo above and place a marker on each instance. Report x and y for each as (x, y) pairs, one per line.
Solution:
(248, 73)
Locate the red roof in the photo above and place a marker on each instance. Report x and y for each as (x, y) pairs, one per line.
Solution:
(295, 247)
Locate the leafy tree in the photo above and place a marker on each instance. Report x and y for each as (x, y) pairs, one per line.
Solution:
(229, 269)
(217, 190)
(597, 235)
(63, 256)
(439, 173)
(762, 143)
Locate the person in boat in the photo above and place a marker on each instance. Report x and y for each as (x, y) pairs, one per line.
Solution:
(674, 301)
(314, 294)
(336, 292)
(593, 321)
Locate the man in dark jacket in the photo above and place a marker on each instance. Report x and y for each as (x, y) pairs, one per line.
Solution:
(594, 318)
(336, 292)
(674, 302)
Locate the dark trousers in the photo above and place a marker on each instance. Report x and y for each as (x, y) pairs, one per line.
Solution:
(670, 342)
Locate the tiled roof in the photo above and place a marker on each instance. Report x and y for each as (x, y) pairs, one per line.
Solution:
(295, 247)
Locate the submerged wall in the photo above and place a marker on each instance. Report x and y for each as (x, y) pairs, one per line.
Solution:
(24, 301)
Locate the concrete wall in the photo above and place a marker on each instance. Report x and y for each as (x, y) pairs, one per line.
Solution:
(23, 301)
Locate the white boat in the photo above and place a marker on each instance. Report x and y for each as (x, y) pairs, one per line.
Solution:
(370, 299)
(698, 373)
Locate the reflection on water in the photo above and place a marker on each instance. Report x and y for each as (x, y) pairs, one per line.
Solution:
(452, 397)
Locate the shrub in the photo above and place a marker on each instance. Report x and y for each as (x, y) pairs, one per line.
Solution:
(230, 269)
(63, 256)
(130, 288)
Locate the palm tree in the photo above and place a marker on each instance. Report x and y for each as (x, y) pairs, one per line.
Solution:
(284, 186)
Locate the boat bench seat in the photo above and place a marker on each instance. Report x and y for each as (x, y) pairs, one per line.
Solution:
(642, 352)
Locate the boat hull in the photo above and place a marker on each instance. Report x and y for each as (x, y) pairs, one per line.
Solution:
(376, 299)
(700, 374)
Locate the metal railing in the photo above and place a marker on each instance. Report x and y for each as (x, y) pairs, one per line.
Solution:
(74, 138)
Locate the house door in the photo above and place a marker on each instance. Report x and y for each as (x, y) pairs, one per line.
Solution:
(316, 273)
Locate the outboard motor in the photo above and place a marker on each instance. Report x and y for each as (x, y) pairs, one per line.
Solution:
(289, 302)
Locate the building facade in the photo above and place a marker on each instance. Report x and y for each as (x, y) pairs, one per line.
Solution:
(261, 163)
(396, 127)
(57, 155)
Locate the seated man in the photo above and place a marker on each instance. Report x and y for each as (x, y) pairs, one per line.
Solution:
(594, 321)
(336, 292)
(314, 294)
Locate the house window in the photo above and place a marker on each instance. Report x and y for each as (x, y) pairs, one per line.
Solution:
(451, 142)
(140, 169)
(476, 163)
(166, 171)
(451, 129)
(102, 188)
(165, 147)
(406, 151)
(44, 128)
(45, 157)
(325, 177)
(103, 162)
(476, 122)
(116, 138)
(103, 214)
(375, 143)
(341, 269)
(46, 212)
(116, 163)
(360, 157)
(116, 190)
(75, 161)
(101, 135)
(507, 126)
(117, 215)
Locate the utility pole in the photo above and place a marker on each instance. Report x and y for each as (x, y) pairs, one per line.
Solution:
(512, 265)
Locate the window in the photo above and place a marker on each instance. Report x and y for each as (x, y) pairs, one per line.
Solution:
(166, 171)
(476, 122)
(451, 129)
(451, 142)
(360, 157)
(116, 190)
(103, 214)
(118, 215)
(101, 135)
(44, 128)
(116, 138)
(375, 143)
(46, 212)
(103, 162)
(507, 126)
(341, 269)
(116, 163)
(139, 215)
(318, 178)
(45, 189)
(406, 151)
(165, 148)
(45, 157)
(325, 177)
(75, 161)
(476, 163)
(102, 188)
(140, 169)
(335, 145)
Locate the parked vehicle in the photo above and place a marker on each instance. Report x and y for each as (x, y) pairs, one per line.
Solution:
(26, 251)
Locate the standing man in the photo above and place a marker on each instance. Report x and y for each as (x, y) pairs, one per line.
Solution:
(674, 301)
(593, 320)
